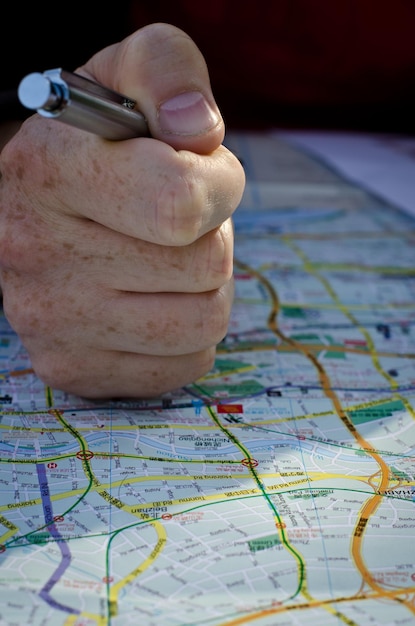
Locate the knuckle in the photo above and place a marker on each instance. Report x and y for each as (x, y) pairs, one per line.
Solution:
(209, 261)
(203, 362)
(220, 258)
(230, 181)
(214, 313)
(179, 209)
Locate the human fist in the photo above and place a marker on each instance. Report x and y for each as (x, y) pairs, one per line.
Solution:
(116, 257)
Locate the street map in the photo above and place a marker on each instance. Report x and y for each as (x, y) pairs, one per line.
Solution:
(277, 490)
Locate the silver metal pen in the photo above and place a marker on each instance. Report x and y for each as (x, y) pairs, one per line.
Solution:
(80, 102)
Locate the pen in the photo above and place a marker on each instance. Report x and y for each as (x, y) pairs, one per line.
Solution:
(80, 102)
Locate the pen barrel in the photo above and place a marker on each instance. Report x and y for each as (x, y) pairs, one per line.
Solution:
(80, 102)
(103, 118)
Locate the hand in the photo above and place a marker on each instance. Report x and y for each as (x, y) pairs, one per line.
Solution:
(116, 257)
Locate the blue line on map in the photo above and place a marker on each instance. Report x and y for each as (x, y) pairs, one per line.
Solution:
(253, 218)
(63, 546)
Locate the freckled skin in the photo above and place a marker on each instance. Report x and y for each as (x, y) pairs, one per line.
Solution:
(96, 166)
(116, 258)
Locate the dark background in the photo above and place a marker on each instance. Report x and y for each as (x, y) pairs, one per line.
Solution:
(328, 64)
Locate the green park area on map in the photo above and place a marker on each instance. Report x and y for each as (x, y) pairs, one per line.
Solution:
(278, 489)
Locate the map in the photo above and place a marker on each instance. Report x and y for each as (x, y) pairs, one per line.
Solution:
(278, 489)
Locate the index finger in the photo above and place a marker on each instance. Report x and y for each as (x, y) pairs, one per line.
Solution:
(168, 197)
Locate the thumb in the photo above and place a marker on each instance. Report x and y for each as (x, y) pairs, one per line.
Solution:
(161, 68)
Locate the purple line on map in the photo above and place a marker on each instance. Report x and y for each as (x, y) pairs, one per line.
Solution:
(63, 546)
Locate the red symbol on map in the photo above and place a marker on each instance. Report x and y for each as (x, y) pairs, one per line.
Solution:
(302, 437)
(2, 549)
(52, 465)
(166, 516)
(85, 455)
(413, 576)
(230, 408)
(58, 518)
(108, 579)
(249, 462)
